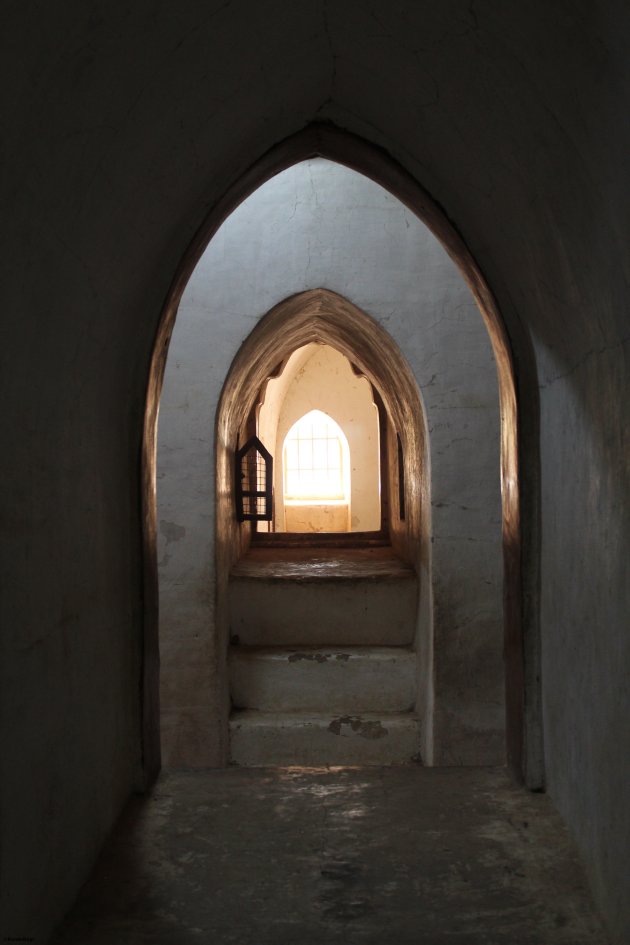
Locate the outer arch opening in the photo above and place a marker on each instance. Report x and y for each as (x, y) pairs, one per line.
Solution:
(328, 142)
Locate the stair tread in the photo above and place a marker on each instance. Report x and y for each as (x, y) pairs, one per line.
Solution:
(298, 652)
(317, 738)
(257, 715)
(306, 565)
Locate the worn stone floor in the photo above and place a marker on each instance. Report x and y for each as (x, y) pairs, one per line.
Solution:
(456, 856)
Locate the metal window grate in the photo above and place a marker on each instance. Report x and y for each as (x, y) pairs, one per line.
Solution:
(253, 480)
(313, 459)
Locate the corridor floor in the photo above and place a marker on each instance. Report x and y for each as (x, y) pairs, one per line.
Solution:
(454, 856)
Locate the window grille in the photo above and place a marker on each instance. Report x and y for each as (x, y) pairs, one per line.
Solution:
(313, 460)
(253, 480)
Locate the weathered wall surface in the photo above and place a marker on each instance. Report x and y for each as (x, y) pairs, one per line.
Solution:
(123, 125)
(319, 224)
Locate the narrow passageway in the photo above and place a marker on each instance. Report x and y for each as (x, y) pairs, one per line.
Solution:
(355, 855)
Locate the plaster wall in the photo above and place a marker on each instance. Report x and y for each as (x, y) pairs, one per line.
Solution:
(123, 126)
(319, 224)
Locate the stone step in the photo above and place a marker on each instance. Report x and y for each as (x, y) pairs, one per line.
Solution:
(366, 597)
(346, 680)
(260, 739)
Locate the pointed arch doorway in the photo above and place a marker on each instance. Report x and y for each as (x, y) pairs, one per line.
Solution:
(322, 317)
(324, 624)
(354, 153)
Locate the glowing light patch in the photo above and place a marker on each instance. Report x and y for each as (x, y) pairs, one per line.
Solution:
(315, 457)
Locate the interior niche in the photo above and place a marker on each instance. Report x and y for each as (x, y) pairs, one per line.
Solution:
(319, 419)
(299, 325)
(322, 317)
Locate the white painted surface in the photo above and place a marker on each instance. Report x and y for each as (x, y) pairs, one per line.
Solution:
(348, 680)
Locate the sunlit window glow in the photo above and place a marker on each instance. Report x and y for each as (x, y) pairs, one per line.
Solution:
(315, 460)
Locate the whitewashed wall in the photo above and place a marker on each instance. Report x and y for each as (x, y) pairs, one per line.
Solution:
(321, 225)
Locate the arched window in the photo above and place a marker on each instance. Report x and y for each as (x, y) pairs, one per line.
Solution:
(316, 460)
